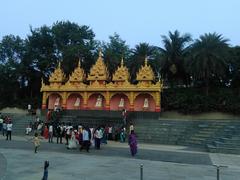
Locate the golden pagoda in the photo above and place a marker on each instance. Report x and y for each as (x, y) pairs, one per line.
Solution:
(78, 76)
(99, 71)
(121, 74)
(57, 77)
(98, 92)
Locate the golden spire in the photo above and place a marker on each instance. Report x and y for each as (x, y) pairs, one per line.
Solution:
(121, 74)
(78, 74)
(145, 73)
(145, 61)
(59, 65)
(79, 62)
(122, 62)
(99, 70)
(100, 54)
(58, 75)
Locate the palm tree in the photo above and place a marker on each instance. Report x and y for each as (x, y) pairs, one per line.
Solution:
(209, 58)
(173, 55)
(139, 53)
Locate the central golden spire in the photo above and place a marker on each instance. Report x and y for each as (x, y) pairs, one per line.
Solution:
(99, 70)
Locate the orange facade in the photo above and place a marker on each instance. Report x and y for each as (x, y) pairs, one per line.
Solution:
(119, 94)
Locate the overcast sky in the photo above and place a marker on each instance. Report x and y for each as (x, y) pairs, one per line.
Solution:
(134, 20)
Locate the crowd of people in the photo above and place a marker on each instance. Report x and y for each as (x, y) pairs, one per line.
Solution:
(73, 136)
(79, 136)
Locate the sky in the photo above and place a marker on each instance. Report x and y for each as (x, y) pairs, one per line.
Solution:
(135, 21)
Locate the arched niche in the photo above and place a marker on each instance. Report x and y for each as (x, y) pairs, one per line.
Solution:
(54, 99)
(93, 101)
(144, 98)
(75, 101)
(116, 102)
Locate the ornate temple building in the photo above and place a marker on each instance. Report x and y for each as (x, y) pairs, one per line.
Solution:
(72, 93)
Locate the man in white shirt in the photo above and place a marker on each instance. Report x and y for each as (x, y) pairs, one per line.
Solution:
(68, 132)
(50, 134)
(9, 130)
(86, 139)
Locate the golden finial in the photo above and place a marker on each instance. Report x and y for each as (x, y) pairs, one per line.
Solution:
(122, 62)
(79, 62)
(100, 53)
(145, 61)
(59, 64)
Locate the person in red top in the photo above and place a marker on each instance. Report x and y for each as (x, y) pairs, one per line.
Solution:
(45, 132)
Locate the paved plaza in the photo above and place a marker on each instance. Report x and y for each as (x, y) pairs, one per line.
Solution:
(113, 161)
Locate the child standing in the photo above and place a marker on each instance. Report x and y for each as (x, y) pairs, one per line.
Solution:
(36, 142)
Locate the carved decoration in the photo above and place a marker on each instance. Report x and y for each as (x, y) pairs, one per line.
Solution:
(145, 73)
(99, 70)
(78, 75)
(57, 76)
(121, 73)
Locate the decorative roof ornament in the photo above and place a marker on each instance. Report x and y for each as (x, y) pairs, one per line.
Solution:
(58, 75)
(121, 74)
(99, 70)
(145, 73)
(78, 75)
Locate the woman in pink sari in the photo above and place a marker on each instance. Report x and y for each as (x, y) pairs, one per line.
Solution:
(132, 141)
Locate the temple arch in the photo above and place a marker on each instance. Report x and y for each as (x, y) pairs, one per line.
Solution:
(74, 101)
(54, 100)
(119, 101)
(144, 102)
(96, 101)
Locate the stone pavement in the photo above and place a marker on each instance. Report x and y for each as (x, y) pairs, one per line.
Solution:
(17, 161)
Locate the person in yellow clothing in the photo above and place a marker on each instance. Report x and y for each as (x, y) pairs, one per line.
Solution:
(36, 142)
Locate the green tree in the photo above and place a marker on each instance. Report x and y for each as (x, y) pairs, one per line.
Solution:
(173, 56)
(209, 56)
(73, 42)
(12, 50)
(234, 67)
(139, 53)
(114, 51)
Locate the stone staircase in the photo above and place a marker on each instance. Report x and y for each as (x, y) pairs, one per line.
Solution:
(20, 122)
(211, 135)
(204, 131)
(228, 141)
(91, 118)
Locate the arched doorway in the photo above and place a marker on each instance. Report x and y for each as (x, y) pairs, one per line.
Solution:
(144, 102)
